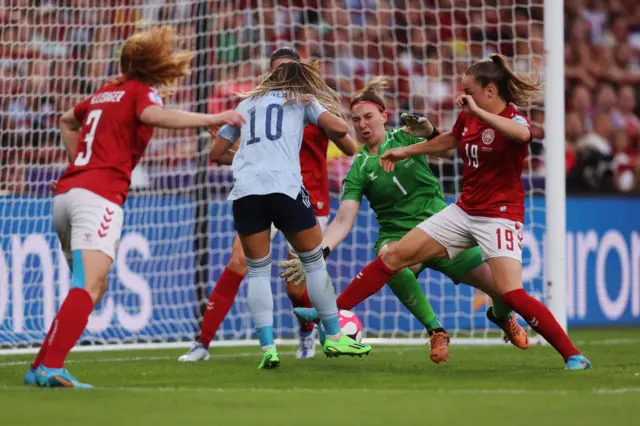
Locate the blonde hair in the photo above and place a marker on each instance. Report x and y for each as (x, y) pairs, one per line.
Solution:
(372, 92)
(149, 58)
(517, 89)
(299, 81)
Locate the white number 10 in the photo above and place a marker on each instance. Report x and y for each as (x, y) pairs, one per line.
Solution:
(473, 158)
(92, 120)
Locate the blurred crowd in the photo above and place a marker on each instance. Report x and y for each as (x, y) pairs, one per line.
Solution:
(54, 53)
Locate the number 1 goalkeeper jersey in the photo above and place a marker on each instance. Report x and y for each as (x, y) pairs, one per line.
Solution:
(400, 199)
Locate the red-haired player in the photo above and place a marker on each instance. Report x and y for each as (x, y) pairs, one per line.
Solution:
(105, 136)
(313, 163)
(493, 139)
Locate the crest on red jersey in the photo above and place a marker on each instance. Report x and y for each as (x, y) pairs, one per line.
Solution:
(488, 136)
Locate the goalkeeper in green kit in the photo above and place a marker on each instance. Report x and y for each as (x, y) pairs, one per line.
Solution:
(401, 200)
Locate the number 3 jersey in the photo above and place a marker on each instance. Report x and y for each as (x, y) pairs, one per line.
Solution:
(400, 199)
(492, 166)
(112, 139)
(268, 158)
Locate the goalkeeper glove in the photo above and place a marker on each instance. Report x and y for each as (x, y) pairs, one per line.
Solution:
(417, 126)
(294, 271)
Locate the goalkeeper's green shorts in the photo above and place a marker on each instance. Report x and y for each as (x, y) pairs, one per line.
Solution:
(454, 268)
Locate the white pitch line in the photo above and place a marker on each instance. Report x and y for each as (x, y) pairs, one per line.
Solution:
(140, 358)
(596, 391)
(604, 342)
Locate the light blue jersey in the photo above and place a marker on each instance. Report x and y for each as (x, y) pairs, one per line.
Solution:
(268, 158)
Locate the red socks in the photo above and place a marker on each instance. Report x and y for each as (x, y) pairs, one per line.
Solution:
(67, 327)
(43, 348)
(541, 320)
(302, 301)
(367, 283)
(220, 302)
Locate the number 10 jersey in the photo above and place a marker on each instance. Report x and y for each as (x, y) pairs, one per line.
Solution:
(268, 157)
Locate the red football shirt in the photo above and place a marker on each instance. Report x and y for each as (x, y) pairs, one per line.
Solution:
(112, 140)
(492, 166)
(313, 164)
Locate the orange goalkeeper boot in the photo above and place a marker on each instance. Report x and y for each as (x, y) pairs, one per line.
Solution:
(513, 332)
(439, 346)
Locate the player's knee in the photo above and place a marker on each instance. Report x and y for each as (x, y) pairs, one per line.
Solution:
(393, 257)
(238, 263)
(96, 287)
(295, 292)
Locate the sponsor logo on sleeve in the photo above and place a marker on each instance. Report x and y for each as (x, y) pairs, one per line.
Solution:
(520, 119)
(155, 98)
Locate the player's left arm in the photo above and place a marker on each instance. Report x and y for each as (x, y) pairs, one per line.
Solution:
(70, 131)
(515, 129)
(222, 151)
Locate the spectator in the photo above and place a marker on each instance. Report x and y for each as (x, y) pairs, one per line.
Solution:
(580, 104)
(628, 102)
(574, 130)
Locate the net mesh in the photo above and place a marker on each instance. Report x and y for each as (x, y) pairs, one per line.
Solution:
(54, 54)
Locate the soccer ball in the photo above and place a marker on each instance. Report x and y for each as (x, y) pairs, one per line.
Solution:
(350, 325)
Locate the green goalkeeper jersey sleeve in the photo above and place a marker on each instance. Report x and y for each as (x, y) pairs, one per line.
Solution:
(400, 199)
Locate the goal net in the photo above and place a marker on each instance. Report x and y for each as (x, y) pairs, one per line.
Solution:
(53, 56)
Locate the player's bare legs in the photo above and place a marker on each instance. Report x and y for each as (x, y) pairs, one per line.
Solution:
(500, 313)
(257, 249)
(220, 302)
(308, 246)
(90, 270)
(308, 330)
(415, 247)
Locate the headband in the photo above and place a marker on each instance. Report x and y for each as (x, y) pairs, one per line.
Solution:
(380, 107)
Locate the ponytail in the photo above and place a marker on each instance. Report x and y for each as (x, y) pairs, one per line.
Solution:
(517, 89)
(372, 92)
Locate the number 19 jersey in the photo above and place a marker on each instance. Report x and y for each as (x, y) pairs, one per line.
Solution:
(268, 158)
(400, 199)
(112, 139)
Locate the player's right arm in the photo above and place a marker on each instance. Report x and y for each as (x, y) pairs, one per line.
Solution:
(70, 131)
(157, 116)
(442, 143)
(339, 228)
(352, 193)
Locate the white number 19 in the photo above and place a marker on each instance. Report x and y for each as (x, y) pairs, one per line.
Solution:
(472, 154)
(92, 120)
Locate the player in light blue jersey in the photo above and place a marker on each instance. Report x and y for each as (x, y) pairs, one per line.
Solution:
(268, 190)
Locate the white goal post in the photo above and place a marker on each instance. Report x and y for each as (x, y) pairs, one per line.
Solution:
(178, 227)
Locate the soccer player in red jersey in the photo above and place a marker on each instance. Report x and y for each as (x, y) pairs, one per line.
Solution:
(105, 136)
(315, 177)
(493, 138)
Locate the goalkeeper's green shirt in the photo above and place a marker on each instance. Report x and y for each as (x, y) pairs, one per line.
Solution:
(400, 199)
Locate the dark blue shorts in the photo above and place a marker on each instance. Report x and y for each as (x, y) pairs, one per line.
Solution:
(256, 213)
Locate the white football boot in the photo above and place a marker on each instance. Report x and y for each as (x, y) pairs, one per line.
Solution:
(197, 353)
(307, 347)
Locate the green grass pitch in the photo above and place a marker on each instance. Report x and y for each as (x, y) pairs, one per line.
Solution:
(394, 386)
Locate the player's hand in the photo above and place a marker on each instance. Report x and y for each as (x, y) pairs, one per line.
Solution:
(468, 105)
(389, 159)
(53, 185)
(293, 271)
(213, 131)
(417, 126)
(231, 118)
